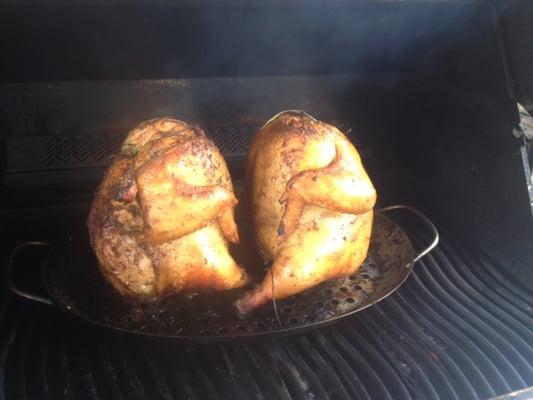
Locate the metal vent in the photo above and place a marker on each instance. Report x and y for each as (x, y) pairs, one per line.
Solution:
(232, 140)
(62, 159)
(79, 149)
(99, 148)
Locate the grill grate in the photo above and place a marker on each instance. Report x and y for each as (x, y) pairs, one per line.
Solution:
(457, 329)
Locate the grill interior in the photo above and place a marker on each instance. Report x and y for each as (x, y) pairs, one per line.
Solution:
(423, 89)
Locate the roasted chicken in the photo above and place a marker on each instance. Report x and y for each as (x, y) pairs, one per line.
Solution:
(311, 202)
(162, 217)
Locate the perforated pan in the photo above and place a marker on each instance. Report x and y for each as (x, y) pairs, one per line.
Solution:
(74, 283)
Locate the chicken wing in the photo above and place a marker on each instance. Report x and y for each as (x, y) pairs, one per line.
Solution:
(162, 217)
(311, 202)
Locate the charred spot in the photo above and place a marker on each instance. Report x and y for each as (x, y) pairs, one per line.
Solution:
(115, 190)
(281, 229)
(315, 177)
(198, 131)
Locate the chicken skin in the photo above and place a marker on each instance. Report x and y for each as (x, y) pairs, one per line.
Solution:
(311, 202)
(163, 215)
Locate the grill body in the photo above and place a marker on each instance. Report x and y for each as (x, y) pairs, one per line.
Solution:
(426, 90)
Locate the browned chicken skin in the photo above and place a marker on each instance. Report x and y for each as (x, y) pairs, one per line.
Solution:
(311, 202)
(162, 216)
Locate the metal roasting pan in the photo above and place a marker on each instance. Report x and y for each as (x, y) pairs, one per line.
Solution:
(74, 283)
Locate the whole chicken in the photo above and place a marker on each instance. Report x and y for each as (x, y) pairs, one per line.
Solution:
(162, 217)
(311, 202)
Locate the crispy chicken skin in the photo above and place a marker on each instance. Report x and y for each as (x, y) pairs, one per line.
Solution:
(162, 217)
(311, 202)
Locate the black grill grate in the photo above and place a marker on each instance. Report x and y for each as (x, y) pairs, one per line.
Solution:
(458, 329)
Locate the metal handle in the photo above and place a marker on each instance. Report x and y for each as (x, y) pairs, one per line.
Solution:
(426, 220)
(9, 271)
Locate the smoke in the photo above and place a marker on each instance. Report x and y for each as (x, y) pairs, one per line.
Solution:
(322, 38)
(114, 66)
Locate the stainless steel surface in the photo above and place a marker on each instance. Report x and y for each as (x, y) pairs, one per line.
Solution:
(523, 394)
(527, 171)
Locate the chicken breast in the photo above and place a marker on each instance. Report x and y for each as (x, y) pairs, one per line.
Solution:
(163, 216)
(311, 202)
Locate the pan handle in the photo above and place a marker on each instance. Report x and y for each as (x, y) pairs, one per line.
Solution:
(9, 272)
(425, 219)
